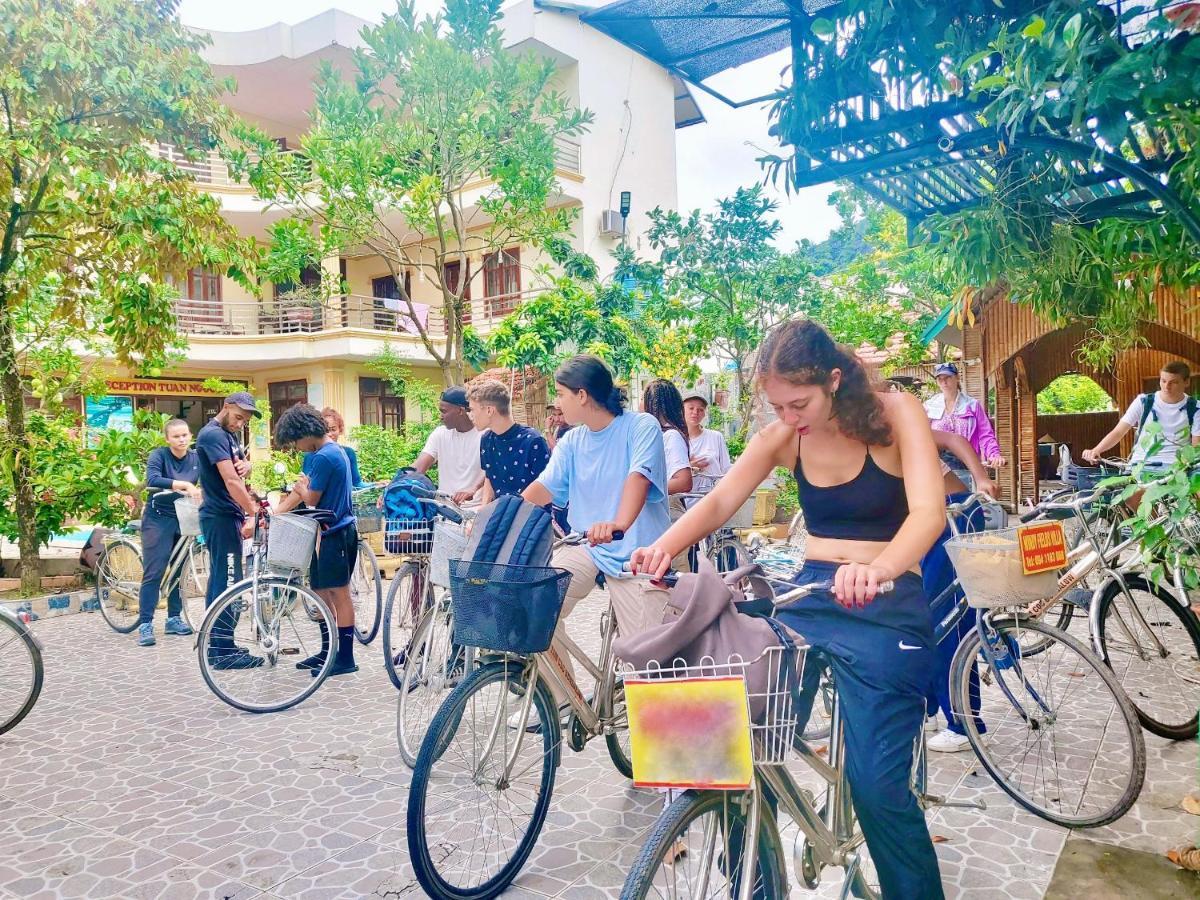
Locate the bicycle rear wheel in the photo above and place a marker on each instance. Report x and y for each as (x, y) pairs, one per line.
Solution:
(255, 668)
(118, 582)
(409, 596)
(1055, 730)
(433, 667)
(21, 672)
(1152, 644)
(366, 591)
(696, 850)
(473, 818)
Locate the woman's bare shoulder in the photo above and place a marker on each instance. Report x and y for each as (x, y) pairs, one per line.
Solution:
(901, 407)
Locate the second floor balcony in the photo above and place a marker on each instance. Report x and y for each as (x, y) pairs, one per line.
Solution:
(210, 171)
(287, 316)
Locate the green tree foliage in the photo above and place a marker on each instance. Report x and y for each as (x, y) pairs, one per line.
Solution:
(396, 152)
(92, 221)
(1072, 394)
(725, 270)
(627, 320)
(1115, 78)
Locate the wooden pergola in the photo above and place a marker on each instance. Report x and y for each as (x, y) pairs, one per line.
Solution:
(1016, 354)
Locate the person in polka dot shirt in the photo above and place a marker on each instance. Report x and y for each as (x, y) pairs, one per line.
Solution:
(511, 455)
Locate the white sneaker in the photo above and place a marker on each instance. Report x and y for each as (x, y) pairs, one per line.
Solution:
(948, 741)
(931, 724)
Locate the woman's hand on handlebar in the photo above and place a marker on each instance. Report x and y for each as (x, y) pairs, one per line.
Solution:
(856, 584)
(653, 561)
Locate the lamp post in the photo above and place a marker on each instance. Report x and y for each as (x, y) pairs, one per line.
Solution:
(626, 202)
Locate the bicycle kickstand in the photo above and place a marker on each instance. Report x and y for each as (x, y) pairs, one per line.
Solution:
(928, 801)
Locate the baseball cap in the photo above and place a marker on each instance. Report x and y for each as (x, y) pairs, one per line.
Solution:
(245, 401)
(694, 394)
(945, 369)
(456, 396)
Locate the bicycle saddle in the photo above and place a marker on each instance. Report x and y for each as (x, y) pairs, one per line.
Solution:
(322, 517)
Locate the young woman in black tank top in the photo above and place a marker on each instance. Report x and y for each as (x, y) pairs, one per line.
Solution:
(871, 489)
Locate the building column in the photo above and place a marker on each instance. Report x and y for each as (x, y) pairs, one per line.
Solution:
(334, 388)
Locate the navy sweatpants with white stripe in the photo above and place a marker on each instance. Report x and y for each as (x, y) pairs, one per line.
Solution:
(883, 660)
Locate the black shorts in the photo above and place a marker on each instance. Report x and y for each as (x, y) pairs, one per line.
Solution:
(335, 558)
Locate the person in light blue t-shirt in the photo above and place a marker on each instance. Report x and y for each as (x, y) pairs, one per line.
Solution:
(611, 473)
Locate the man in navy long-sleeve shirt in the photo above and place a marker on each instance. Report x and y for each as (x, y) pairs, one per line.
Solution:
(170, 468)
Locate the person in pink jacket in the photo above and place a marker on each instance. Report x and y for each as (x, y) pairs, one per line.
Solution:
(955, 412)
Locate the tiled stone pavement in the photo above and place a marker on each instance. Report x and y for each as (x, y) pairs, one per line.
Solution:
(131, 780)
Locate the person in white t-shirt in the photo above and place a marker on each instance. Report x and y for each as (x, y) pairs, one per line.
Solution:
(454, 446)
(661, 399)
(1171, 407)
(710, 453)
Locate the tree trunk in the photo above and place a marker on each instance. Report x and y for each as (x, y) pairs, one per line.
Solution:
(745, 398)
(17, 449)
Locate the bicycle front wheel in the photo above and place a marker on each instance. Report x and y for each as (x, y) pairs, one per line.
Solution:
(194, 580)
(366, 591)
(1054, 729)
(482, 784)
(270, 659)
(409, 596)
(1152, 644)
(697, 849)
(21, 672)
(118, 583)
(433, 666)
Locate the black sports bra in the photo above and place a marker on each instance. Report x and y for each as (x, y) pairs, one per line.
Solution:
(870, 507)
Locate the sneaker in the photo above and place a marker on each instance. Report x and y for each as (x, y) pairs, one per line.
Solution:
(176, 625)
(146, 634)
(237, 658)
(948, 741)
(931, 724)
(339, 667)
(312, 663)
(534, 725)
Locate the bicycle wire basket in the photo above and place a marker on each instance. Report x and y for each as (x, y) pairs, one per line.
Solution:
(291, 542)
(449, 543)
(408, 537)
(988, 567)
(510, 609)
(769, 682)
(187, 511)
(369, 517)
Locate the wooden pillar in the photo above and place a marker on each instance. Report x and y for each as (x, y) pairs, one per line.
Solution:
(1026, 435)
(973, 380)
(1006, 478)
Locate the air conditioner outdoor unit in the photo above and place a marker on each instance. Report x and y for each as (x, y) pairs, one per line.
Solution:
(612, 224)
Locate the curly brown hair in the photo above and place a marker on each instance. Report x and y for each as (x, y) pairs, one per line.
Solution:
(800, 351)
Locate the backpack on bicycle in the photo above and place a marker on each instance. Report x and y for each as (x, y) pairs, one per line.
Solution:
(408, 524)
(511, 532)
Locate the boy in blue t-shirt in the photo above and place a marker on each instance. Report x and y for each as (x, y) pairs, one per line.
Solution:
(325, 484)
(511, 455)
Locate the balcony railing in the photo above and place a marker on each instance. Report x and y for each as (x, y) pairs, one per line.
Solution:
(283, 316)
(211, 170)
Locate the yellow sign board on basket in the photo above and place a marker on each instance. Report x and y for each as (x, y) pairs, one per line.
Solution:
(1043, 547)
(690, 733)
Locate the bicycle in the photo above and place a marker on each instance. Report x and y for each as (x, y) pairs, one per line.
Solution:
(1141, 630)
(496, 739)
(412, 592)
(21, 670)
(286, 620)
(701, 845)
(119, 569)
(722, 548)
(366, 584)
(1016, 689)
(433, 664)
(1071, 753)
